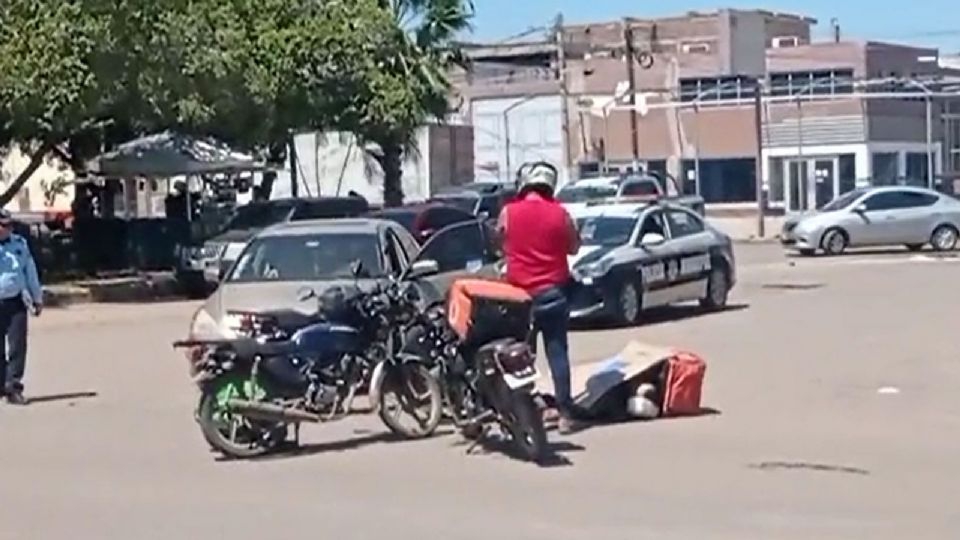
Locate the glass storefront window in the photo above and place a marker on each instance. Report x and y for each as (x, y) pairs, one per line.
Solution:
(886, 168)
(848, 172)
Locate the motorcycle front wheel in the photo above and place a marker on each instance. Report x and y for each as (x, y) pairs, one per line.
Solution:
(410, 390)
(526, 428)
(230, 433)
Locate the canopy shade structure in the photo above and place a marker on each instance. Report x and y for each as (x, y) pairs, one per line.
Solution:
(168, 154)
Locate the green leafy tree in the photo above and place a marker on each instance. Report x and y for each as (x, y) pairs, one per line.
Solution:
(80, 75)
(413, 86)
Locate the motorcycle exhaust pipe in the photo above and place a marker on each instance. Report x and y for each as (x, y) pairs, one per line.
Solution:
(270, 412)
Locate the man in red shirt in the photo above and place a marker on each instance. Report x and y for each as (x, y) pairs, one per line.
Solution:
(538, 235)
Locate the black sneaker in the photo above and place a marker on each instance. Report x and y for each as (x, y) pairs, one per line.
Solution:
(16, 398)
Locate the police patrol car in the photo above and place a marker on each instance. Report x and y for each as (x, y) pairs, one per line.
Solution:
(637, 255)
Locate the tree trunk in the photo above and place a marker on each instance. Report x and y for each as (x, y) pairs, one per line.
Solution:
(36, 159)
(391, 162)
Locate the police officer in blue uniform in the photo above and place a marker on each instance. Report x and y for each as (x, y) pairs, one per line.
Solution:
(19, 292)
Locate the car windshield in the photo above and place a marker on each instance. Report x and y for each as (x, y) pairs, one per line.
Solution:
(259, 215)
(577, 194)
(843, 201)
(307, 258)
(606, 230)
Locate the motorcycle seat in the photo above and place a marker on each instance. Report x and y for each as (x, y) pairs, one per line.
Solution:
(248, 348)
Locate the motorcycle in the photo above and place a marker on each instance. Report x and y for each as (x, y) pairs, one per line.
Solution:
(288, 368)
(487, 375)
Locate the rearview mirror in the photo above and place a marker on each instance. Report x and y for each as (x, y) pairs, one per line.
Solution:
(652, 239)
(422, 268)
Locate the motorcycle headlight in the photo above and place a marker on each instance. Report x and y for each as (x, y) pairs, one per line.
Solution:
(249, 325)
(593, 270)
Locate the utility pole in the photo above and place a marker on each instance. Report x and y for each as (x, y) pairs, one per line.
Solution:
(631, 97)
(294, 183)
(506, 143)
(564, 91)
(758, 126)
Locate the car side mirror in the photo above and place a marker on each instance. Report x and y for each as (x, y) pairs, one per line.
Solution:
(652, 239)
(422, 268)
(483, 215)
(306, 293)
(860, 208)
(357, 269)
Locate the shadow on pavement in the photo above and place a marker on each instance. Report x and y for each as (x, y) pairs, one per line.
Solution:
(853, 252)
(291, 450)
(67, 396)
(500, 445)
(660, 316)
(601, 423)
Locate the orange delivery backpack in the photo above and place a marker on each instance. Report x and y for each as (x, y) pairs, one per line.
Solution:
(484, 310)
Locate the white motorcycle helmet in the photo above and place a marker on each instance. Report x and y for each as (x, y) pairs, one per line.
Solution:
(538, 174)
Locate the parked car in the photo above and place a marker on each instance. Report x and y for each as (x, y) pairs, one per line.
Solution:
(203, 266)
(877, 216)
(637, 188)
(636, 256)
(482, 199)
(281, 260)
(425, 219)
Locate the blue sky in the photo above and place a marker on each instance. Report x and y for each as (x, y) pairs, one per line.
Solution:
(932, 23)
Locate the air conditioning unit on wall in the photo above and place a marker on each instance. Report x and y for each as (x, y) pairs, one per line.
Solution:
(782, 42)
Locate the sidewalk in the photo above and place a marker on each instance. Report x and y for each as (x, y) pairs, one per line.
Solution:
(150, 287)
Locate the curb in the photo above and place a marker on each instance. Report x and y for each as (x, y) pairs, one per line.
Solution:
(148, 288)
(755, 240)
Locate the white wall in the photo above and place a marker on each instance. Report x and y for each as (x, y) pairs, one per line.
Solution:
(332, 164)
(536, 133)
(30, 198)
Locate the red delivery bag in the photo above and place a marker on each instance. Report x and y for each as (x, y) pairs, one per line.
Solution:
(683, 384)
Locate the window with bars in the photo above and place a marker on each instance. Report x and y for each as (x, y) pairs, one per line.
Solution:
(953, 144)
(820, 82)
(717, 88)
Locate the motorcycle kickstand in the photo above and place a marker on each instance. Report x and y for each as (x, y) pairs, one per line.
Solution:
(479, 440)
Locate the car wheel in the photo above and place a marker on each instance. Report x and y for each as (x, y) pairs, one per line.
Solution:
(944, 238)
(915, 247)
(628, 302)
(834, 242)
(718, 288)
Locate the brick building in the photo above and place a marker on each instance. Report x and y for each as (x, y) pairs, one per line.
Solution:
(820, 135)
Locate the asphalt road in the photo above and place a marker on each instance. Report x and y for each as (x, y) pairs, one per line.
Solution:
(803, 446)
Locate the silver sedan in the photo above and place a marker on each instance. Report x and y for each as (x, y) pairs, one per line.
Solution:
(878, 216)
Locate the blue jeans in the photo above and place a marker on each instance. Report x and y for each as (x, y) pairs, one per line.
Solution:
(551, 317)
(13, 344)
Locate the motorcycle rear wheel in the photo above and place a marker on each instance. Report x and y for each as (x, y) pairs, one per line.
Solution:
(233, 435)
(415, 388)
(526, 428)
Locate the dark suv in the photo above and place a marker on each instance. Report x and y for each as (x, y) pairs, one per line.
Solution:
(482, 199)
(424, 219)
(201, 267)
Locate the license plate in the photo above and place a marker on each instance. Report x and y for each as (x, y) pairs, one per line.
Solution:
(519, 380)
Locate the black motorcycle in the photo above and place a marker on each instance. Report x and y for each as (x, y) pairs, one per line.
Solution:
(486, 370)
(289, 368)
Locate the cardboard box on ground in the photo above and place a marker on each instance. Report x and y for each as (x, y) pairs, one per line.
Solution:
(641, 381)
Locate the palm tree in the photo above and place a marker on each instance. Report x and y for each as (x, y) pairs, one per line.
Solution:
(426, 50)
